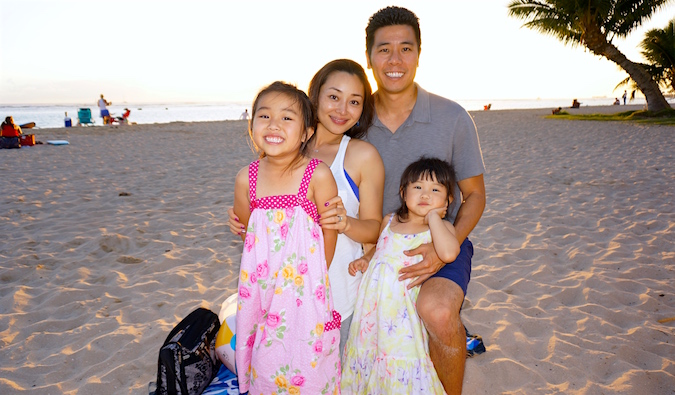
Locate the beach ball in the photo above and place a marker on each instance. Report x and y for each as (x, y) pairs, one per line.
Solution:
(226, 339)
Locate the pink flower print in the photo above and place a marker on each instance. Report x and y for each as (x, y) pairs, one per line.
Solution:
(318, 347)
(315, 233)
(264, 336)
(244, 292)
(250, 341)
(273, 320)
(254, 278)
(262, 270)
(284, 230)
(298, 302)
(320, 293)
(249, 241)
(290, 212)
(298, 380)
(302, 268)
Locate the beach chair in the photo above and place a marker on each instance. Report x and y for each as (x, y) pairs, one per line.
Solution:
(84, 116)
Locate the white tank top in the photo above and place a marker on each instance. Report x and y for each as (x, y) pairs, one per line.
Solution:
(343, 285)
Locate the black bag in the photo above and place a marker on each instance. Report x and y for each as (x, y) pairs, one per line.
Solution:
(187, 360)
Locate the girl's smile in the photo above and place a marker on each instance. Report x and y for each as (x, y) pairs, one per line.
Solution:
(277, 127)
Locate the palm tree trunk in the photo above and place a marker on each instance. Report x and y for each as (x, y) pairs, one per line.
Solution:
(654, 96)
(655, 99)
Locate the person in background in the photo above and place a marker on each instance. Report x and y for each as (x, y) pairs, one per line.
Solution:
(616, 101)
(575, 103)
(244, 115)
(124, 119)
(625, 96)
(9, 134)
(409, 123)
(103, 106)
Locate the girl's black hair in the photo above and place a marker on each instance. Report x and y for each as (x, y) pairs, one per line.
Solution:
(426, 169)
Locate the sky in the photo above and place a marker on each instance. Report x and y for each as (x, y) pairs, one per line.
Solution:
(203, 51)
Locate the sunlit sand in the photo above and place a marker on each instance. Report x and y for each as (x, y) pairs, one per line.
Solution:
(109, 241)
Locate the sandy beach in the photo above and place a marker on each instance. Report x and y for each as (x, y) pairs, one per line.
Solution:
(110, 241)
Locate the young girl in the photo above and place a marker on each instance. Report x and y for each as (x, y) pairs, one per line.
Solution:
(287, 330)
(387, 350)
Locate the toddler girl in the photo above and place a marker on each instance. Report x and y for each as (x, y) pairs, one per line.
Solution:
(387, 350)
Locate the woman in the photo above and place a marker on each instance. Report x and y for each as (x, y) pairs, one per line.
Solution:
(342, 96)
(9, 134)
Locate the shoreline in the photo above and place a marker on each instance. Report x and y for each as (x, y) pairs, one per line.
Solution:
(110, 241)
(53, 118)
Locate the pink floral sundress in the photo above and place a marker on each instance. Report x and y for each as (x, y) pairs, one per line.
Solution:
(287, 331)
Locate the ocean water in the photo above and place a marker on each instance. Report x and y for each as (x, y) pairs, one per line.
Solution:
(52, 116)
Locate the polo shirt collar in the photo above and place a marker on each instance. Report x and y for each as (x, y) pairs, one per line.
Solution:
(421, 111)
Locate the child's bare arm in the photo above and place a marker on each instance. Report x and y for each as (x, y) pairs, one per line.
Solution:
(323, 189)
(443, 237)
(361, 264)
(241, 199)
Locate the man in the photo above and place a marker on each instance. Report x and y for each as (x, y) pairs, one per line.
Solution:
(408, 124)
(625, 95)
(105, 114)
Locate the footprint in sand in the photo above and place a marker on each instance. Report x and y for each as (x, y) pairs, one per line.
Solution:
(128, 259)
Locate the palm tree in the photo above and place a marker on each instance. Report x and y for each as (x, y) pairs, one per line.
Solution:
(658, 47)
(593, 24)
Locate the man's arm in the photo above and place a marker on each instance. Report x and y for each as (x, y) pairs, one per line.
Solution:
(473, 192)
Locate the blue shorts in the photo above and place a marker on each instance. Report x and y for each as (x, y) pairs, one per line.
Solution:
(459, 271)
(105, 113)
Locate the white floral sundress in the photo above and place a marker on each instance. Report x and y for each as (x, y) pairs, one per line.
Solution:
(388, 350)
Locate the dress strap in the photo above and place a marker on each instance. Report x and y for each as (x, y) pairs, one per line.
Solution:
(339, 161)
(252, 182)
(307, 177)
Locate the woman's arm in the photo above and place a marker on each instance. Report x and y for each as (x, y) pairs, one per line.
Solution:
(323, 188)
(241, 199)
(363, 157)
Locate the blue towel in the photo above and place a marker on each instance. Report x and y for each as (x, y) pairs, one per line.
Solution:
(225, 383)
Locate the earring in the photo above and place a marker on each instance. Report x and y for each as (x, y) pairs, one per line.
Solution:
(358, 123)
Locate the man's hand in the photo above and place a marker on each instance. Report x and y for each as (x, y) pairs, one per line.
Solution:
(427, 267)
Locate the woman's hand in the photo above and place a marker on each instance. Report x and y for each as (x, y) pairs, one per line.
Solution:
(335, 218)
(236, 227)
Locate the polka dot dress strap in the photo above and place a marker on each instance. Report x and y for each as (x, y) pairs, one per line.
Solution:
(307, 177)
(252, 180)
